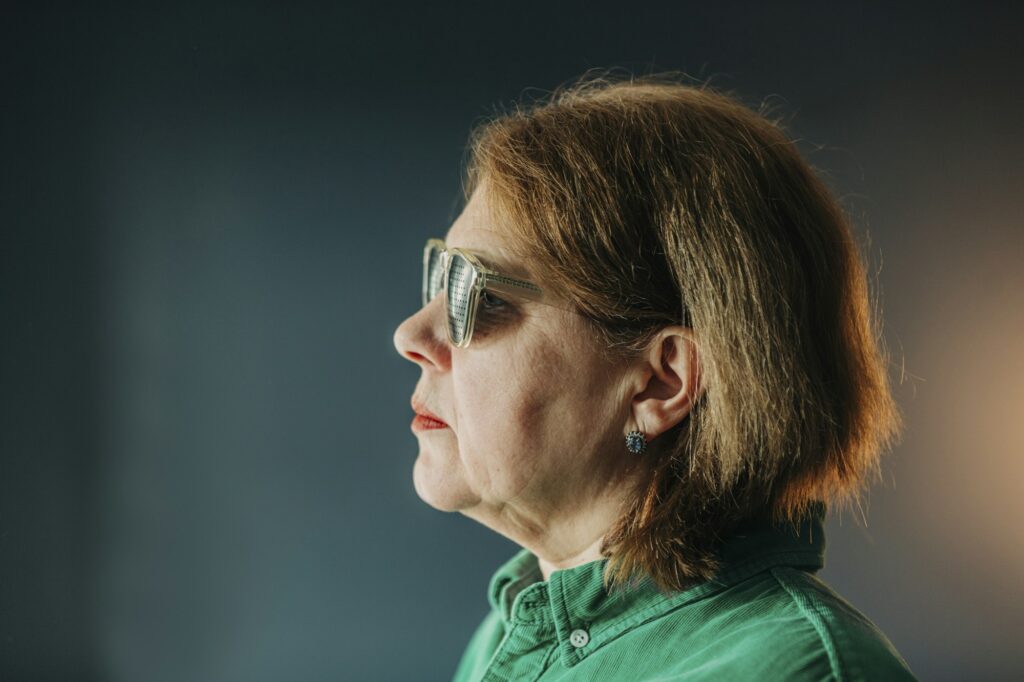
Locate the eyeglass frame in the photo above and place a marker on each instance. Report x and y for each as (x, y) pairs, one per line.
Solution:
(484, 279)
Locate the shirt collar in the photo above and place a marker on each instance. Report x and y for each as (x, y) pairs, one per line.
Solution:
(575, 598)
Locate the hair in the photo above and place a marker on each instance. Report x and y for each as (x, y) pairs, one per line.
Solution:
(649, 202)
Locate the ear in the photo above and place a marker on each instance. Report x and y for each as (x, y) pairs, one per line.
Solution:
(672, 381)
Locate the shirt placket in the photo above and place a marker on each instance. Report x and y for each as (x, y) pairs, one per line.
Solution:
(528, 641)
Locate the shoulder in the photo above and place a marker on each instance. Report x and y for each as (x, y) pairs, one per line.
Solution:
(785, 623)
(482, 643)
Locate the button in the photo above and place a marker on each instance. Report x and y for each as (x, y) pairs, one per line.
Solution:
(579, 638)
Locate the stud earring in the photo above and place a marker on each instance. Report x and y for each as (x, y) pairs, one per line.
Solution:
(636, 442)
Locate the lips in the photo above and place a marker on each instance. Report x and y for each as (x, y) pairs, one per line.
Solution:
(419, 409)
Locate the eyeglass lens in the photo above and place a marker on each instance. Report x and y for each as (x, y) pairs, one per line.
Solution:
(460, 276)
(434, 272)
(460, 286)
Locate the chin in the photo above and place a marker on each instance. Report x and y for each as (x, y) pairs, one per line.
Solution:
(444, 491)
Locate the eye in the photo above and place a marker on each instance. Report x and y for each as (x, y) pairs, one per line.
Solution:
(493, 315)
(491, 302)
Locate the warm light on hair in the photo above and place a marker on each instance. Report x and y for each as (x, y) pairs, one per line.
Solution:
(649, 202)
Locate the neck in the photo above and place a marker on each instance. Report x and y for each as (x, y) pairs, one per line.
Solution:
(588, 554)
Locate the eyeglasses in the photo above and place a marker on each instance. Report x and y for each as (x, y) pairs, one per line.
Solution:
(464, 279)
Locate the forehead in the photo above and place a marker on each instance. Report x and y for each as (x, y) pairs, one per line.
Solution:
(474, 230)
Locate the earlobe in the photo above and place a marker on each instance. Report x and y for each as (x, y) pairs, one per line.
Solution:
(636, 442)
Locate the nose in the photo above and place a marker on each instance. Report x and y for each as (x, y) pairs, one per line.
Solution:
(422, 337)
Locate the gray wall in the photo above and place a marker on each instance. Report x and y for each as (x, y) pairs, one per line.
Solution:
(211, 225)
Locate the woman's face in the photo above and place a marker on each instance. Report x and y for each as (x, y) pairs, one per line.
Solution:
(536, 410)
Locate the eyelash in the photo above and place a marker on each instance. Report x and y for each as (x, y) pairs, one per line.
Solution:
(491, 302)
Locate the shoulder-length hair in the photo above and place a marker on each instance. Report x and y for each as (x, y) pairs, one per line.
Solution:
(650, 202)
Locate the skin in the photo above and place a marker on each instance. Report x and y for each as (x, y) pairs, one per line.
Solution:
(537, 412)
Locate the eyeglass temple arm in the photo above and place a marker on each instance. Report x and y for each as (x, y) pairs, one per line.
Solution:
(512, 287)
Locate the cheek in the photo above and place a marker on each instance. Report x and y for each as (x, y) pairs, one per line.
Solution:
(502, 408)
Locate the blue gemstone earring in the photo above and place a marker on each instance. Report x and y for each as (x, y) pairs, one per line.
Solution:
(636, 442)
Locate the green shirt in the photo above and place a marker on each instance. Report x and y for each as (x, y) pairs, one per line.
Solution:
(767, 616)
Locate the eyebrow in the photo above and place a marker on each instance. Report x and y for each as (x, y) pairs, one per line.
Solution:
(494, 262)
(497, 263)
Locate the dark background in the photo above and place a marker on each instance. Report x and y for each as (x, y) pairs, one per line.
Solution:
(212, 221)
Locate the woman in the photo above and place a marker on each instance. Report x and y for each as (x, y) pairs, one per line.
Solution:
(648, 359)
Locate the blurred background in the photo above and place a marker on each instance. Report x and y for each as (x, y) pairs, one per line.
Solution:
(212, 222)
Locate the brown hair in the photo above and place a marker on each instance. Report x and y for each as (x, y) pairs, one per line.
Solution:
(650, 202)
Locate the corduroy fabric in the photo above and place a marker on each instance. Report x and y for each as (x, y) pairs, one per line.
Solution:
(766, 616)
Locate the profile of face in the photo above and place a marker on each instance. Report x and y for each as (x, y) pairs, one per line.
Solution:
(536, 409)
